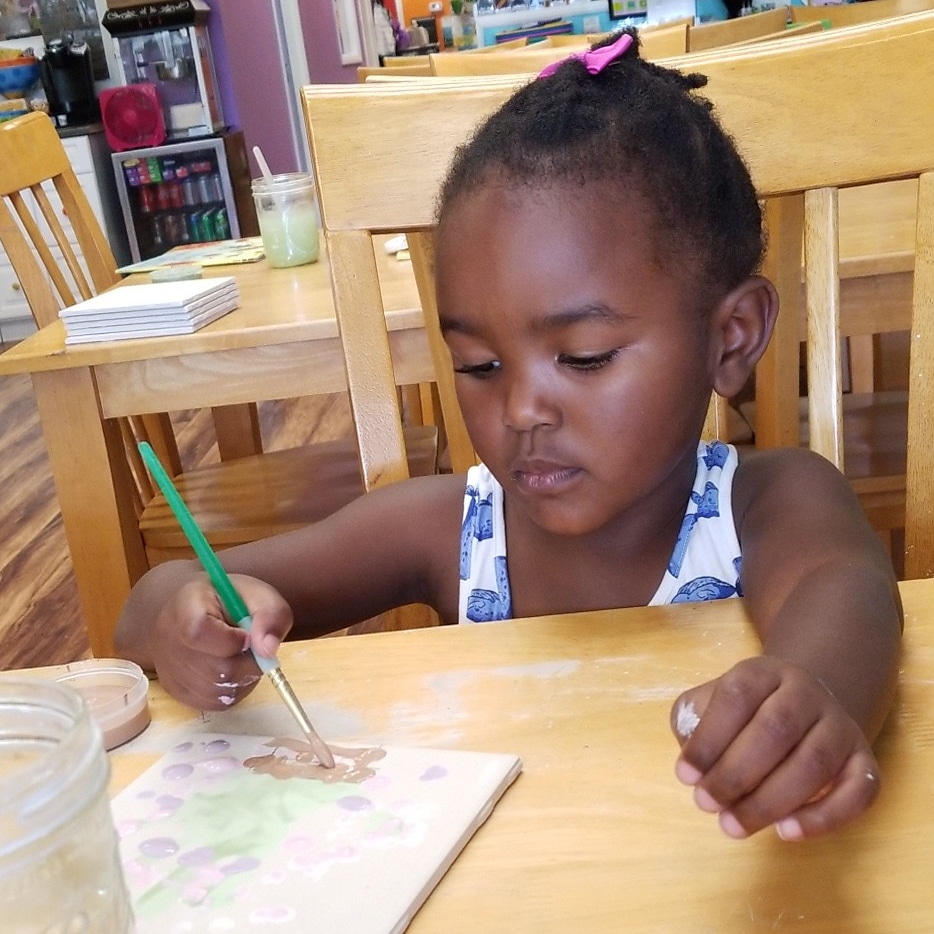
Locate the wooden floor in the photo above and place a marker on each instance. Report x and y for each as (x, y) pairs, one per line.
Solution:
(40, 620)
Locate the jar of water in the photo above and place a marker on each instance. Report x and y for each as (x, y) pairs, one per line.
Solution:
(60, 868)
(288, 218)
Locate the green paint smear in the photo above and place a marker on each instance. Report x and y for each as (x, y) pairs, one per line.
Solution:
(248, 816)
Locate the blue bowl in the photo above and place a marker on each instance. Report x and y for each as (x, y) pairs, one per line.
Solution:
(16, 79)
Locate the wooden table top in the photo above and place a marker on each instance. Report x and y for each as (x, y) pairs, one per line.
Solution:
(597, 835)
(277, 306)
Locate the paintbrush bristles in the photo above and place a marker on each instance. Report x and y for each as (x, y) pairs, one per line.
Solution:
(318, 746)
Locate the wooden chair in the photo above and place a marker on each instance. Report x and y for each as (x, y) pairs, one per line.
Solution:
(855, 102)
(236, 501)
(803, 194)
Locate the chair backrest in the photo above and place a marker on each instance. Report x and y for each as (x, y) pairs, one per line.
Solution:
(857, 121)
(851, 14)
(662, 42)
(417, 69)
(791, 31)
(727, 31)
(572, 39)
(360, 197)
(60, 254)
(528, 60)
(41, 201)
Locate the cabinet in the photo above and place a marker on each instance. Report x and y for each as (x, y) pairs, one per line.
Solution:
(90, 158)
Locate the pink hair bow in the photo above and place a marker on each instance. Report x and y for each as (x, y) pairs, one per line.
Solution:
(596, 59)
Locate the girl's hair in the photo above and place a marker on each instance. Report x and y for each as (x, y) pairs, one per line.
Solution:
(634, 126)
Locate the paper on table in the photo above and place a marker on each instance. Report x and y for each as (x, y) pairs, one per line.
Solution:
(219, 253)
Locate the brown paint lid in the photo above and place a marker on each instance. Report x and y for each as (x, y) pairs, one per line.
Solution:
(116, 692)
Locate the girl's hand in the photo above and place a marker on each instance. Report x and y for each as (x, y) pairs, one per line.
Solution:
(200, 658)
(767, 744)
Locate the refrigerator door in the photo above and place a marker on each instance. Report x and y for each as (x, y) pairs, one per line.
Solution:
(176, 194)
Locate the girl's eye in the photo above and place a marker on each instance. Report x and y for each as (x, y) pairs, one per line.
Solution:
(479, 370)
(589, 362)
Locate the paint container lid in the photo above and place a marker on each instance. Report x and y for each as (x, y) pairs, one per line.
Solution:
(116, 692)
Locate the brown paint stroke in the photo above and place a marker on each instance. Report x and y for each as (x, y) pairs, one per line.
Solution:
(293, 758)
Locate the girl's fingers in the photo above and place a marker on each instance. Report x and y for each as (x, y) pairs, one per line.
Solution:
(854, 791)
(807, 774)
(782, 747)
(723, 709)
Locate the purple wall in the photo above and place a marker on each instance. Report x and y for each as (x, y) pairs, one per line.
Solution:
(250, 74)
(321, 45)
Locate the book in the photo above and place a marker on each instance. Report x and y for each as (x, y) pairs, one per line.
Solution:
(150, 310)
(218, 253)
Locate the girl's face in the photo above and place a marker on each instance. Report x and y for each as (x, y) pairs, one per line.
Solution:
(581, 367)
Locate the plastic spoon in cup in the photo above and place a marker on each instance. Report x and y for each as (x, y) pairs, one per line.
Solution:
(268, 203)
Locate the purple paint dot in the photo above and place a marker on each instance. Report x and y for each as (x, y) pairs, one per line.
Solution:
(159, 847)
(182, 747)
(220, 765)
(148, 793)
(433, 773)
(200, 856)
(354, 803)
(217, 746)
(169, 802)
(176, 773)
(240, 864)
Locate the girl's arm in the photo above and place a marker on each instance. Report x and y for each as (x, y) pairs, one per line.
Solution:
(785, 738)
(391, 547)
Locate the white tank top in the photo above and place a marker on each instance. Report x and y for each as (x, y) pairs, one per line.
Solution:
(705, 563)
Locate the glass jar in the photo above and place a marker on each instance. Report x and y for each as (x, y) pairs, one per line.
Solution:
(60, 867)
(288, 218)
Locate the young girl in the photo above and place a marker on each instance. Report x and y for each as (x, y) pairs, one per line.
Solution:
(597, 247)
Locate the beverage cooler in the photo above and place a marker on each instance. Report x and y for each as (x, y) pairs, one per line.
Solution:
(188, 192)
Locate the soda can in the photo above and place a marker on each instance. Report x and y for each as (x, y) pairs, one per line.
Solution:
(146, 199)
(176, 195)
(155, 170)
(221, 226)
(194, 226)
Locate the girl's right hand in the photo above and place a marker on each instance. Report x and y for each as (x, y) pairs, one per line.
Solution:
(199, 657)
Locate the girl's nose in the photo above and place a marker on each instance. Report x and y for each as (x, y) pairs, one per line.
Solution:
(529, 402)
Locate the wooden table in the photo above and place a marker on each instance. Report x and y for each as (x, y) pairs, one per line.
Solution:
(281, 342)
(597, 835)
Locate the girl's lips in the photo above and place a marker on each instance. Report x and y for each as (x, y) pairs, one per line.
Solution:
(544, 477)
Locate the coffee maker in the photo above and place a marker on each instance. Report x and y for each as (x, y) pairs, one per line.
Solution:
(68, 80)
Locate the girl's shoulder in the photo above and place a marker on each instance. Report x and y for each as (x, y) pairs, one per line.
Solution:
(793, 480)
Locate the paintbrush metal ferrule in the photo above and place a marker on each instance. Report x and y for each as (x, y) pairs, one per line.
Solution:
(318, 745)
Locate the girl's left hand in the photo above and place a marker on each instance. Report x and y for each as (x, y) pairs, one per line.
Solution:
(767, 744)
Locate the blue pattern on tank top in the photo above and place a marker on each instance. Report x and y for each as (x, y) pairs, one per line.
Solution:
(705, 564)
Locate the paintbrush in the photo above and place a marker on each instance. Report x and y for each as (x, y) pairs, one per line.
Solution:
(231, 600)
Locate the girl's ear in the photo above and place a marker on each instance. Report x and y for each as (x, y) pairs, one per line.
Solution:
(741, 326)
